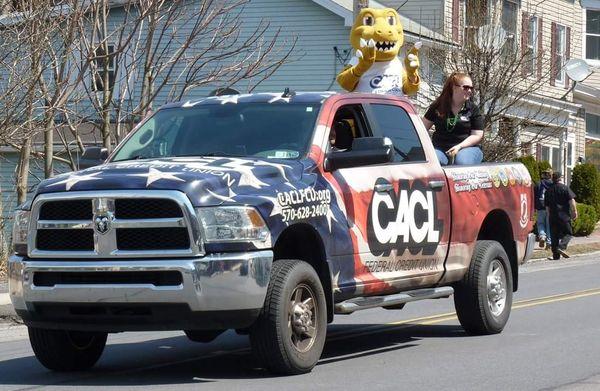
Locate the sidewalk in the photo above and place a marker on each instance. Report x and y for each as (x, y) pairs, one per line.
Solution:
(577, 245)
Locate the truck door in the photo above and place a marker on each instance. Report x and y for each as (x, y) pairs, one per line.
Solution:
(397, 212)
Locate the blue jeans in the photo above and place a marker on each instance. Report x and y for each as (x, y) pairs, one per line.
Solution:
(543, 225)
(468, 155)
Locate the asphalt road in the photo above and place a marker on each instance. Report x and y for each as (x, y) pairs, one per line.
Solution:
(551, 342)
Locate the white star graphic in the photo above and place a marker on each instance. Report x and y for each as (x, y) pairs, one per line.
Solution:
(248, 178)
(279, 167)
(330, 217)
(335, 282)
(71, 180)
(190, 104)
(154, 175)
(222, 198)
(279, 97)
(229, 99)
(276, 206)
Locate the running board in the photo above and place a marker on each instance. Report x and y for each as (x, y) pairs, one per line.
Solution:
(363, 303)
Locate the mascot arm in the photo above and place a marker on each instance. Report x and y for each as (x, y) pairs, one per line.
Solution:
(410, 76)
(348, 79)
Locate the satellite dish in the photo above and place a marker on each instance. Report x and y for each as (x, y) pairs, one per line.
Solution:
(577, 69)
(491, 37)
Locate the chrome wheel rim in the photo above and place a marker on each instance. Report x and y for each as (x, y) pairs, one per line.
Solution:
(496, 288)
(302, 318)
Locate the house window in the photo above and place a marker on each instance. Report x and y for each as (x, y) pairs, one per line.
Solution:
(509, 23)
(532, 45)
(592, 125)
(103, 63)
(592, 35)
(545, 154)
(477, 13)
(556, 159)
(559, 55)
(570, 149)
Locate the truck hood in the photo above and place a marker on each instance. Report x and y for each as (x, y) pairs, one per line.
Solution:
(206, 181)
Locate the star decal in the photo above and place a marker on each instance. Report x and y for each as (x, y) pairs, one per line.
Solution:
(71, 180)
(279, 167)
(221, 197)
(154, 175)
(277, 209)
(248, 178)
(330, 217)
(335, 283)
(279, 97)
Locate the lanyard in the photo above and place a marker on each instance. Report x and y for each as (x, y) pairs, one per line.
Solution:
(452, 121)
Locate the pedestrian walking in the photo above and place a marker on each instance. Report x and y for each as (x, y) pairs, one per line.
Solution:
(562, 209)
(543, 223)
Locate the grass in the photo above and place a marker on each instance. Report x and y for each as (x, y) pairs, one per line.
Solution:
(572, 250)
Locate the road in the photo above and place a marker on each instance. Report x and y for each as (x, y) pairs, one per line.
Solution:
(550, 342)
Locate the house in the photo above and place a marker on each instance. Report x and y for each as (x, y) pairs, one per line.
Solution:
(548, 121)
(587, 93)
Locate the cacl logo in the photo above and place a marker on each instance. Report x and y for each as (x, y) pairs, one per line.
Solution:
(404, 219)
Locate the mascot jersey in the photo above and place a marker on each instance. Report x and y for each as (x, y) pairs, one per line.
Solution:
(383, 77)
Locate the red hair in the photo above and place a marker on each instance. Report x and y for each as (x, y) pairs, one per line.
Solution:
(442, 105)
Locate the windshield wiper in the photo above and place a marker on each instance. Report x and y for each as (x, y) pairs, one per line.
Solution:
(136, 157)
(211, 154)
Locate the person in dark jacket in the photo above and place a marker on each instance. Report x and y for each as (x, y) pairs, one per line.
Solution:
(562, 209)
(458, 122)
(543, 224)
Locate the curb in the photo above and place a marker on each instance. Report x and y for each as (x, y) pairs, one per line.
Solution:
(4, 299)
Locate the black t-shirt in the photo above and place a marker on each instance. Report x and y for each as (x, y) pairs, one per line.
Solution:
(557, 198)
(469, 118)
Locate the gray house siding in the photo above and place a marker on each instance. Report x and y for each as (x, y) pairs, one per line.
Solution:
(429, 13)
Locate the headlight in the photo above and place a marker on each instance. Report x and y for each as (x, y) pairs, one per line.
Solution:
(234, 224)
(20, 230)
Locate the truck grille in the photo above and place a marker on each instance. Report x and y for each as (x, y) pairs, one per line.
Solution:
(111, 224)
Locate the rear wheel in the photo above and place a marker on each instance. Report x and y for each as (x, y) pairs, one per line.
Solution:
(289, 335)
(63, 350)
(483, 298)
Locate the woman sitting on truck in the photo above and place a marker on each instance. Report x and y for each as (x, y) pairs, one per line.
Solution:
(458, 123)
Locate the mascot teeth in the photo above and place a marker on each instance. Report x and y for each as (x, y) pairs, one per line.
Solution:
(384, 46)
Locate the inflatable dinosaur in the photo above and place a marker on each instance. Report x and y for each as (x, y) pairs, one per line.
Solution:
(377, 37)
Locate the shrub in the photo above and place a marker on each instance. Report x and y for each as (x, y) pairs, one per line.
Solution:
(543, 165)
(532, 167)
(586, 220)
(585, 183)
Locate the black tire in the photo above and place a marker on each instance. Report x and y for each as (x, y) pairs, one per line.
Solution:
(203, 336)
(480, 313)
(62, 350)
(278, 337)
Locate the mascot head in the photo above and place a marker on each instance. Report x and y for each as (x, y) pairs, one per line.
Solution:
(382, 26)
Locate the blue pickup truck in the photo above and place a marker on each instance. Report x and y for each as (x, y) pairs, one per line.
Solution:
(267, 214)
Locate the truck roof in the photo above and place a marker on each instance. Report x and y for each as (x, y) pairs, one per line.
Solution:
(275, 97)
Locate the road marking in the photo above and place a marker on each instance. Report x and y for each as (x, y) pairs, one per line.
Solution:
(433, 319)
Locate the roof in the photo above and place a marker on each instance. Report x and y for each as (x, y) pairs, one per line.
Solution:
(279, 97)
(412, 29)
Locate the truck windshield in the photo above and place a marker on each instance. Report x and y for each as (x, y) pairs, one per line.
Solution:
(276, 130)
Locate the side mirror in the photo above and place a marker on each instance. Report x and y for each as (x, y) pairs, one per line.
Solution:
(365, 151)
(92, 156)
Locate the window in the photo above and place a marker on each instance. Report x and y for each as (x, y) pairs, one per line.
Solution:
(532, 45)
(395, 123)
(477, 13)
(509, 23)
(592, 35)
(570, 149)
(102, 63)
(545, 154)
(559, 55)
(556, 159)
(592, 125)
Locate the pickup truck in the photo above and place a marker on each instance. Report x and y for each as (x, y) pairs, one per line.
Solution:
(267, 214)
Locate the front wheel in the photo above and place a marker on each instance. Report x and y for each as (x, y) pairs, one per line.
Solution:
(289, 334)
(64, 350)
(483, 298)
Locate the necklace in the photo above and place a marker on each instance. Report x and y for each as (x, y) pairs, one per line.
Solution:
(452, 121)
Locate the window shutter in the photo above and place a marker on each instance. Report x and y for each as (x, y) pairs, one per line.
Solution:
(568, 54)
(540, 48)
(524, 41)
(455, 20)
(553, 58)
(538, 152)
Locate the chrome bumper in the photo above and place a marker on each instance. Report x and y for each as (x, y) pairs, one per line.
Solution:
(530, 245)
(222, 282)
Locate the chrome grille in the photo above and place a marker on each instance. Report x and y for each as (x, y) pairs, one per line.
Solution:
(112, 224)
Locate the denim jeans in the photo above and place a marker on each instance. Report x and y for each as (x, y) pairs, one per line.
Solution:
(543, 225)
(468, 155)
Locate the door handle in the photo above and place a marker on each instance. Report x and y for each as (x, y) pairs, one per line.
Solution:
(383, 187)
(436, 184)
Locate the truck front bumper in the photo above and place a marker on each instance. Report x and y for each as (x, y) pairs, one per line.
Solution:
(219, 291)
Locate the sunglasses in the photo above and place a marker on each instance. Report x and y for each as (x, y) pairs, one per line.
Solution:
(466, 88)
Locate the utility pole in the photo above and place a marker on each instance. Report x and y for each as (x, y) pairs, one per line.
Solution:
(358, 5)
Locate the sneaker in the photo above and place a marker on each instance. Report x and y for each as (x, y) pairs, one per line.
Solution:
(563, 253)
(553, 259)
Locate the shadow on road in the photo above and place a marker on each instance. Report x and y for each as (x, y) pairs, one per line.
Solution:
(176, 360)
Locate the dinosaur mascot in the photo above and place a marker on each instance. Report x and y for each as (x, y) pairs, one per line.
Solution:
(377, 37)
